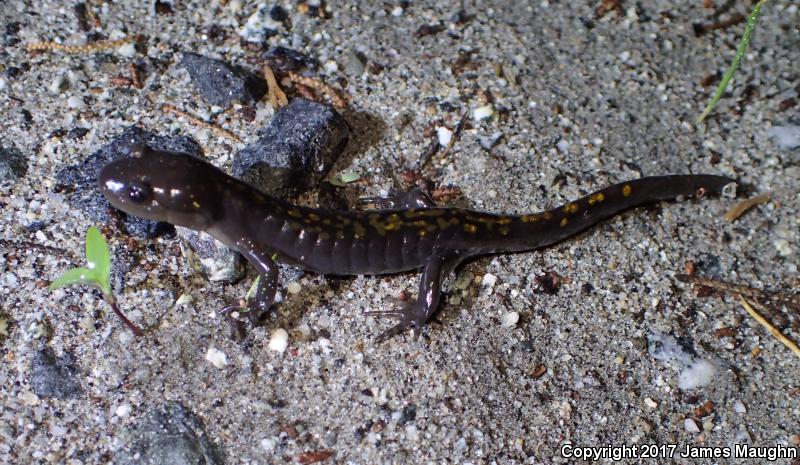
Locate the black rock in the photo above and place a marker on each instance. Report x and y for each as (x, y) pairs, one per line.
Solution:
(286, 59)
(295, 150)
(53, 376)
(13, 166)
(169, 435)
(80, 181)
(221, 83)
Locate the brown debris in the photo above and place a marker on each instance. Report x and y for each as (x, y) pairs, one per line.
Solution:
(548, 283)
(740, 208)
(429, 29)
(790, 102)
(136, 78)
(539, 371)
(606, 6)
(772, 329)
(198, 122)
(93, 47)
(314, 456)
(277, 98)
(704, 410)
(337, 100)
(700, 29)
(726, 331)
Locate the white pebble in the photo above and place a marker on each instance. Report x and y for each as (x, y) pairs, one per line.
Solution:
(279, 340)
(510, 319)
(691, 425)
(269, 444)
(489, 280)
(2, 84)
(216, 357)
(783, 247)
(650, 402)
(482, 113)
(445, 135)
(293, 288)
(29, 398)
(739, 407)
(696, 375)
(127, 50)
(397, 11)
(123, 410)
(786, 137)
(331, 67)
(75, 102)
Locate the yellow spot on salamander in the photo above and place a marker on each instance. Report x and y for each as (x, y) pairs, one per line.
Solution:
(470, 228)
(295, 212)
(359, 230)
(326, 221)
(504, 230)
(596, 198)
(571, 208)
(564, 221)
(422, 233)
(626, 190)
(313, 217)
(504, 220)
(529, 218)
(444, 224)
(195, 204)
(547, 215)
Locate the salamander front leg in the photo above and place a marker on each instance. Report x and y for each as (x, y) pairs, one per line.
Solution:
(415, 198)
(414, 314)
(267, 284)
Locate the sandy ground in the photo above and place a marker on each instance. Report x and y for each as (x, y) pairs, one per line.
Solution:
(581, 101)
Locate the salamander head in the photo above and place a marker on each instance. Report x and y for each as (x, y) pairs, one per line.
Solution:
(164, 186)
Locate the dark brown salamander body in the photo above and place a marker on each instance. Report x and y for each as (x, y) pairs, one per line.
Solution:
(186, 191)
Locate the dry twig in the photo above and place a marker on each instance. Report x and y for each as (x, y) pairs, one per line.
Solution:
(93, 47)
(337, 100)
(199, 122)
(277, 98)
(773, 330)
(740, 208)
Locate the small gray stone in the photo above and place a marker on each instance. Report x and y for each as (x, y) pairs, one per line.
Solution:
(13, 166)
(353, 63)
(210, 257)
(169, 435)
(489, 141)
(80, 181)
(221, 83)
(53, 376)
(295, 150)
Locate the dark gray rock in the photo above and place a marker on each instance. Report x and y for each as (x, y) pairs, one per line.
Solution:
(80, 181)
(295, 150)
(13, 166)
(53, 376)
(221, 83)
(169, 435)
(286, 59)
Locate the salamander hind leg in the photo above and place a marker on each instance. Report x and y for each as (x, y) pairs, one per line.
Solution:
(414, 314)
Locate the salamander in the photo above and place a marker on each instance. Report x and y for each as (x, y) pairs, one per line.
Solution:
(405, 233)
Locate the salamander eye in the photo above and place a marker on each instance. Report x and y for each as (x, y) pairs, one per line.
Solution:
(138, 192)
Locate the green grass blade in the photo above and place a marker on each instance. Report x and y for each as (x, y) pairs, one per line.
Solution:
(751, 24)
(98, 259)
(75, 276)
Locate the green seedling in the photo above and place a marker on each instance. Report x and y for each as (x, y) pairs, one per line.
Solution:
(726, 78)
(97, 273)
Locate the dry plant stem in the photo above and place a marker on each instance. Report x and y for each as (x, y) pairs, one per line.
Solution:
(93, 47)
(773, 330)
(134, 329)
(337, 100)
(277, 98)
(740, 208)
(739, 289)
(456, 135)
(198, 122)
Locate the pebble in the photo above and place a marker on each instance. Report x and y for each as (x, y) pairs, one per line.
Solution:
(397, 11)
(295, 150)
(293, 288)
(13, 166)
(489, 280)
(483, 113)
(211, 258)
(691, 426)
(221, 83)
(56, 377)
(650, 402)
(445, 135)
(510, 319)
(739, 407)
(489, 141)
(123, 410)
(75, 102)
(279, 340)
(217, 357)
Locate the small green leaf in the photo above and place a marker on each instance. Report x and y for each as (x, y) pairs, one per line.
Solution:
(75, 276)
(98, 259)
(349, 177)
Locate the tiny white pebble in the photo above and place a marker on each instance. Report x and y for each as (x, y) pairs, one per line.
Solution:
(123, 410)
(625, 56)
(29, 398)
(75, 102)
(445, 135)
(269, 444)
(739, 407)
(127, 50)
(216, 357)
(482, 113)
(279, 340)
(2, 84)
(691, 425)
(650, 402)
(510, 319)
(783, 247)
(293, 287)
(397, 11)
(489, 280)
(331, 67)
